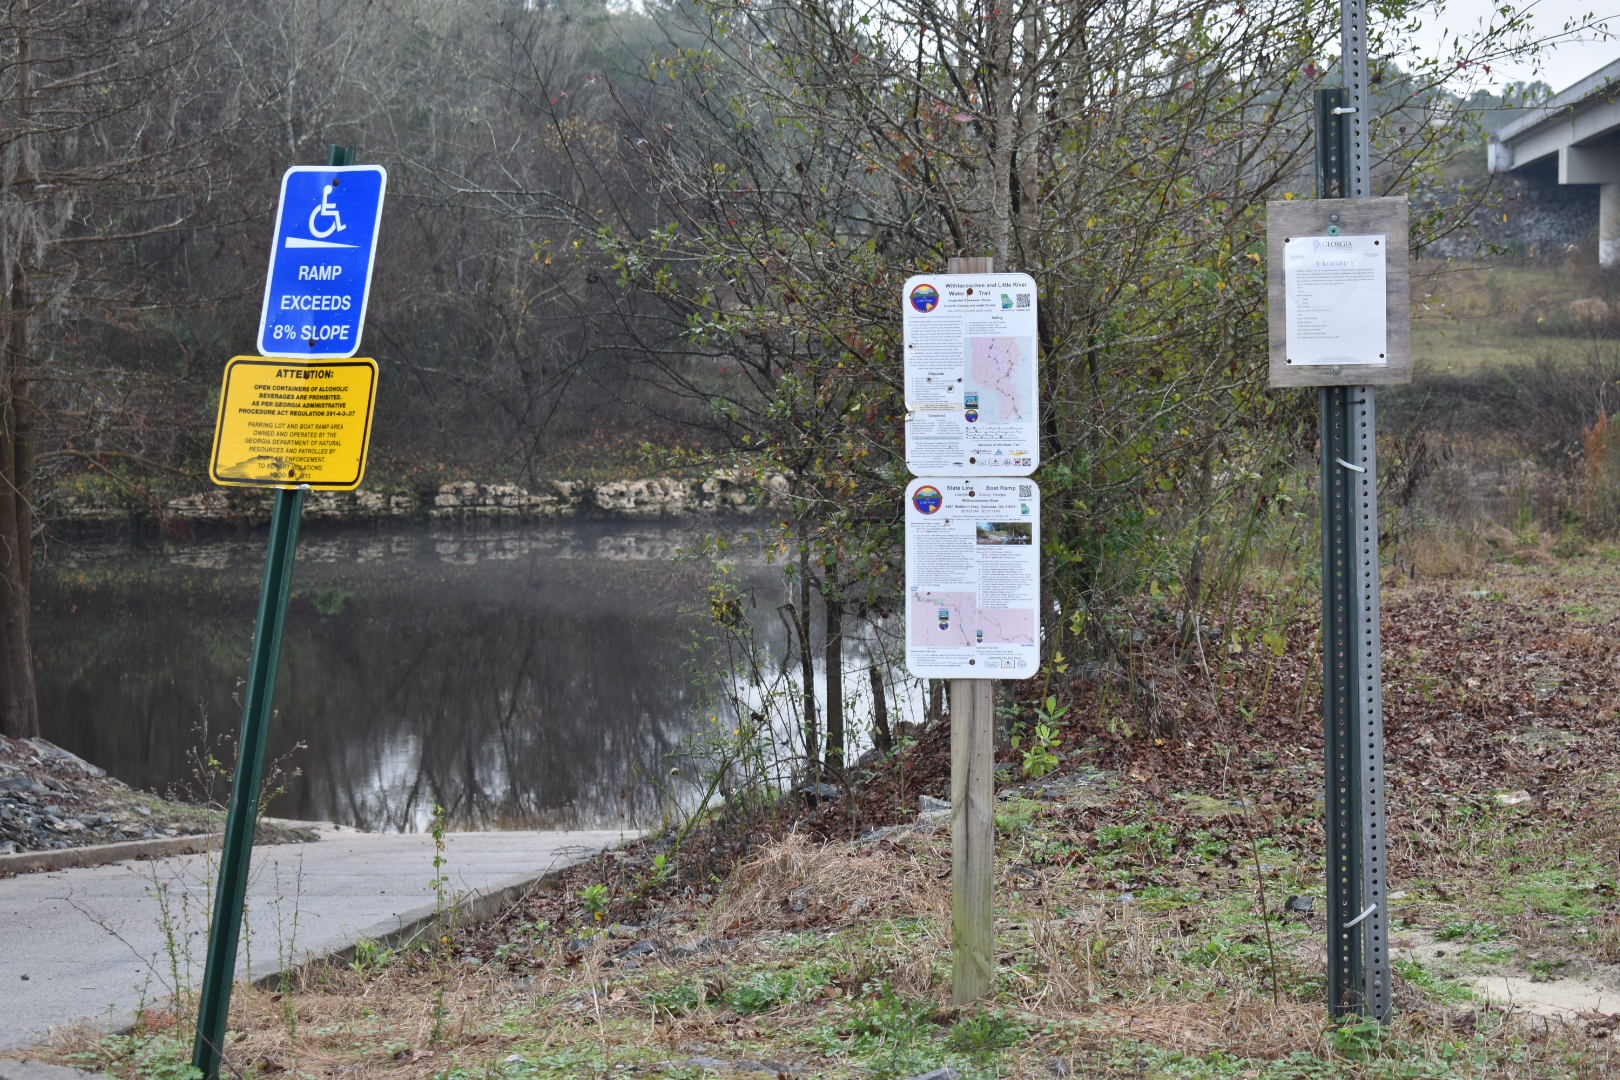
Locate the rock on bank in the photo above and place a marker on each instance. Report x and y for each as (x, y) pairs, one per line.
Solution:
(718, 493)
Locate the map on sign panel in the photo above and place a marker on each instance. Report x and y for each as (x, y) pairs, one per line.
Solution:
(943, 620)
(1001, 372)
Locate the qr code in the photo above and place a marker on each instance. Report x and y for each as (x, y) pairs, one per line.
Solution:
(1026, 491)
(1022, 299)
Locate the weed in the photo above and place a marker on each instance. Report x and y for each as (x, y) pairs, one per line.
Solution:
(1165, 897)
(570, 1061)
(677, 1000)
(895, 1036)
(1145, 842)
(767, 990)
(1209, 845)
(440, 882)
(1358, 1040)
(1016, 816)
(150, 1057)
(1039, 744)
(1472, 929)
(371, 955)
(527, 938)
(1223, 952)
(1447, 990)
(1547, 970)
(984, 1033)
(594, 899)
(1046, 851)
(1549, 892)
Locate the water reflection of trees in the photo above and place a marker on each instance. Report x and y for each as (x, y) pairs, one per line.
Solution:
(528, 705)
(523, 678)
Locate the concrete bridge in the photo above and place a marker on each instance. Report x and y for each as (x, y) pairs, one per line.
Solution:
(1579, 130)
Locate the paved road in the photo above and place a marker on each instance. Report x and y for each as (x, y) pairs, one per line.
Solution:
(93, 944)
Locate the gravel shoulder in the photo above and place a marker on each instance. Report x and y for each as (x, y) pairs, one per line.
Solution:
(53, 800)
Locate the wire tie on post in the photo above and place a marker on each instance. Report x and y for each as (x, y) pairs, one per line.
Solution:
(1343, 110)
(1370, 909)
(1346, 464)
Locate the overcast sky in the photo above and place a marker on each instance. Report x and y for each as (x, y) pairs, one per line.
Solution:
(1560, 64)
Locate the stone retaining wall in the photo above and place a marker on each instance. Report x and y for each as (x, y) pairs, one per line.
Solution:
(656, 497)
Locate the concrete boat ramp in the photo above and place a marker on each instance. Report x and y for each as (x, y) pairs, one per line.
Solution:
(97, 943)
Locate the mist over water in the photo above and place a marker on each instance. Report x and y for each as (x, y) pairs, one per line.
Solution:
(521, 677)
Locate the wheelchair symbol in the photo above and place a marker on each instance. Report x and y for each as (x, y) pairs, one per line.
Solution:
(325, 209)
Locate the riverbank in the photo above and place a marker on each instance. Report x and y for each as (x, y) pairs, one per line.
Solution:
(728, 493)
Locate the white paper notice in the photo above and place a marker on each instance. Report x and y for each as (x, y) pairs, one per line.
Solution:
(1334, 300)
(970, 373)
(973, 578)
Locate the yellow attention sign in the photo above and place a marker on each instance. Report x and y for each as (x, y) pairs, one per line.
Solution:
(288, 424)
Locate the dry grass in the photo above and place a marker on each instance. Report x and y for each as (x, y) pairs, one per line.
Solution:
(1474, 316)
(1246, 1028)
(1095, 983)
(797, 882)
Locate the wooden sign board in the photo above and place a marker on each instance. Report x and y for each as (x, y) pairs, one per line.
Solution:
(291, 424)
(1339, 288)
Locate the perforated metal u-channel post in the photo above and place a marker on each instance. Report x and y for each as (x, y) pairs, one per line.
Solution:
(1339, 655)
(1368, 748)
(1352, 700)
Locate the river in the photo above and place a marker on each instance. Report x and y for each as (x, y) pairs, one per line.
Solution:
(534, 676)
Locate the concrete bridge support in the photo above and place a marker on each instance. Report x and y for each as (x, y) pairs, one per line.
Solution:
(1598, 165)
(1609, 224)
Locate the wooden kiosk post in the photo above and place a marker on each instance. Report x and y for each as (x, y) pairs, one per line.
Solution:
(973, 818)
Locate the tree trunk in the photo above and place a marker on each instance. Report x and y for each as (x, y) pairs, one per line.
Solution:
(1192, 588)
(882, 737)
(1004, 133)
(807, 663)
(834, 602)
(19, 704)
(1027, 154)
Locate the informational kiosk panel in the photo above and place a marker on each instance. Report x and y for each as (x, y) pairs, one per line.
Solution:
(973, 578)
(320, 263)
(283, 424)
(1341, 307)
(971, 358)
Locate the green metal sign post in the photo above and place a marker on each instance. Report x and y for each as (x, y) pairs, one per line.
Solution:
(1339, 299)
(1352, 696)
(230, 891)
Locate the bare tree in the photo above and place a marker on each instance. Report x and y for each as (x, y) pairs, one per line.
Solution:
(100, 150)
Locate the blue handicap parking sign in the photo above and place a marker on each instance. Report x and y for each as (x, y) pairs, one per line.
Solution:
(320, 266)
